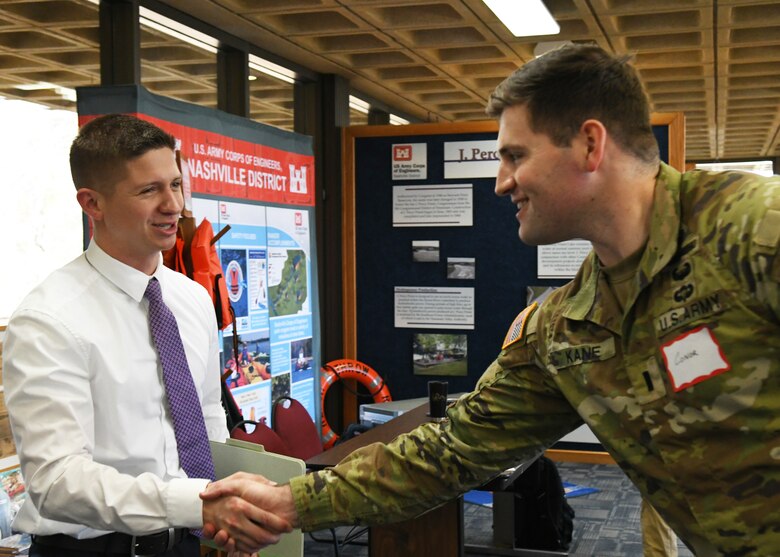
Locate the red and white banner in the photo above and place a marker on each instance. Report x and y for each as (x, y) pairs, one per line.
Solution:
(228, 167)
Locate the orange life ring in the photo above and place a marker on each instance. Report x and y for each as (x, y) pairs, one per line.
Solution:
(348, 369)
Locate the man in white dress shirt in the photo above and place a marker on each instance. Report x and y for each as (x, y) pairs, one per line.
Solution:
(83, 383)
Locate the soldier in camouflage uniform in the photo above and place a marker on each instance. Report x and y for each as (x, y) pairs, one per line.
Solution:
(666, 343)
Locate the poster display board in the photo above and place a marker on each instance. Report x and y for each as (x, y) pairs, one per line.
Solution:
(259, 180)
(401, 264)
(436, 257)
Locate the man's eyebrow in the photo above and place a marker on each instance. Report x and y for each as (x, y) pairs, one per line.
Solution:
(506, 148)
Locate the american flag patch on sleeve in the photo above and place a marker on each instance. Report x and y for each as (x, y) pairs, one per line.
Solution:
(515, 331)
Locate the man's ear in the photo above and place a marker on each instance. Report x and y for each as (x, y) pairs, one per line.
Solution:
(594, 134)
(91, 202)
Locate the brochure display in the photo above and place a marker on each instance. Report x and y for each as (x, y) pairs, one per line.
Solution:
(431, 251)
(259, 180)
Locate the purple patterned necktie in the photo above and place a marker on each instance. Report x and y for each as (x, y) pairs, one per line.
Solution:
(188, 424)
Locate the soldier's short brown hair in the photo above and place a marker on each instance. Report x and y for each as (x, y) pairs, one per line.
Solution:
(564, 87)
(103, 145)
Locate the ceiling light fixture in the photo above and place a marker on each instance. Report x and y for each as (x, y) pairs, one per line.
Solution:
(762, 167)
(398, 121)
(37, 86)
(524, 18)
(269, 68)
(208, 43)
(177, 30)
(358, 104)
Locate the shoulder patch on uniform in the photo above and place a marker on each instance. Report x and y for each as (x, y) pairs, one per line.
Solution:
(515, 331)
(768, 232)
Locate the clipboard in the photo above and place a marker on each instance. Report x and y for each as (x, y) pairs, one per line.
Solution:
(242, 456)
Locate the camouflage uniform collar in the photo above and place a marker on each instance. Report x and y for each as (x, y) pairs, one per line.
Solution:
(664, 226)
(661, 246)
(581, 303)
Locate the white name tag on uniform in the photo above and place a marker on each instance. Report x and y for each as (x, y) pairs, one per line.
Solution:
(693, 357)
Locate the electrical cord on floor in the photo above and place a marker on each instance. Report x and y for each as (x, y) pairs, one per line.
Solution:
(351, 537)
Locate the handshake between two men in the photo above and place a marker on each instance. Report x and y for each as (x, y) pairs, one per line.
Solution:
(244, 513)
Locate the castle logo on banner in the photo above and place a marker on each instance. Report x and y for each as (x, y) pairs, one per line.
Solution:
(410, 161)
(298, 179)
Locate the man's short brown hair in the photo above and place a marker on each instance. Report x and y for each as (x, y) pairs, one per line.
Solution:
(103, 145)
(565, 87)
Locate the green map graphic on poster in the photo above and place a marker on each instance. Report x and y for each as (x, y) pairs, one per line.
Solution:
(288, 297)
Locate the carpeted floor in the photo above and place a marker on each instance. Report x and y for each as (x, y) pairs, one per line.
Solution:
(606, 523)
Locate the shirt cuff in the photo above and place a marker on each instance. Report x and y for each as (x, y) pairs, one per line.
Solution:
(185, 507)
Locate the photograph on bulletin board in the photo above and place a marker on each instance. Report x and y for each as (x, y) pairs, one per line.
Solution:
(463, 268)
(440, 354)
(425, 251)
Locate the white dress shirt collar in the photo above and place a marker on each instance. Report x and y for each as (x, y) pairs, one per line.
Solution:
(128, 279)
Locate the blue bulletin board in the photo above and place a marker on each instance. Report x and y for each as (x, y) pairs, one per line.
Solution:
(379, 256)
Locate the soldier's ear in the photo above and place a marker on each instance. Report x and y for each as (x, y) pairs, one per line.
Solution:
(593, 136)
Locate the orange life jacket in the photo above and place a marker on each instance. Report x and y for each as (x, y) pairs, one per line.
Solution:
(195, 255)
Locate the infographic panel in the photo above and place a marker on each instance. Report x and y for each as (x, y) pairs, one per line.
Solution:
(266, 262)
(290, 298)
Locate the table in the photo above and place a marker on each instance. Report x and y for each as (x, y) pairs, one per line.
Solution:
(439, 532)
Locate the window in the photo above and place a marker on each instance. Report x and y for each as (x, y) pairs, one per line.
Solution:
(177, 61)
(41, 220)
(271, 93)
(47, 54)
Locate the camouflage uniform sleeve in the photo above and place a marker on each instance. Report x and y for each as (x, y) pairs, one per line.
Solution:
(514, 412)
(765, 248)
(746, 234)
